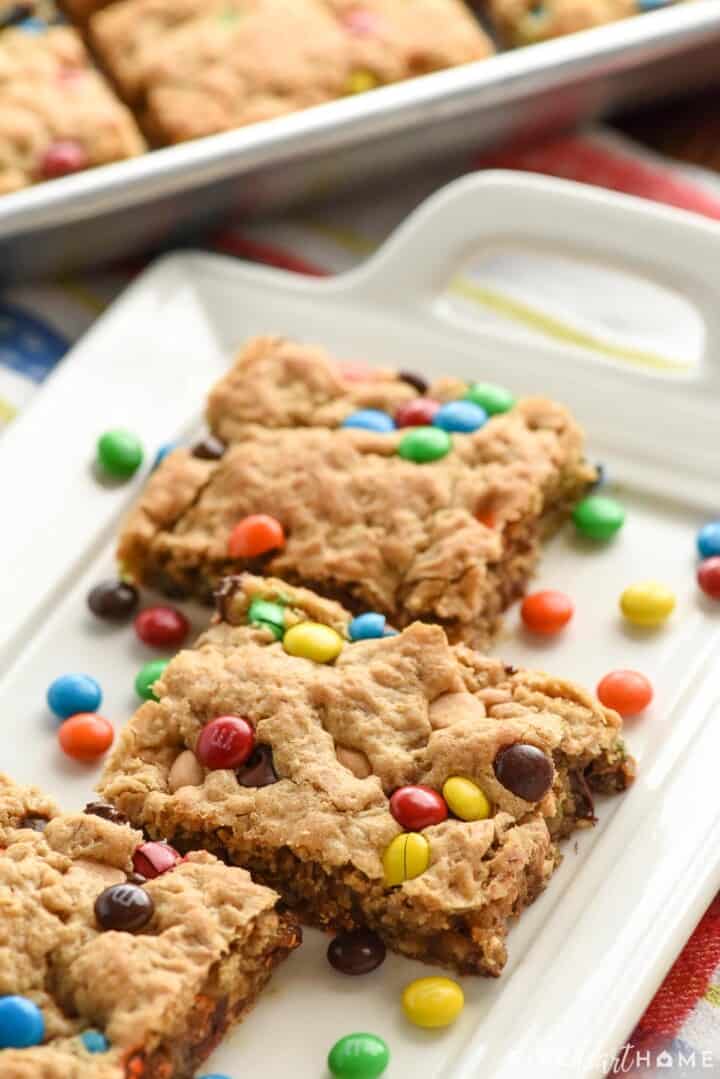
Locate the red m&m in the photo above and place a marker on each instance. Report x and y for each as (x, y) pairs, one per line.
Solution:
(418, 807)
(708, 576)
(162, 627)
(420, 412)
(152, 859)
(226, 742)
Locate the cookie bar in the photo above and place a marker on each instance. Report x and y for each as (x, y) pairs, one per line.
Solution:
(135, 977)
(452, 540)
(309, 810)
(57, 113)
(526, 22)
(195, 67)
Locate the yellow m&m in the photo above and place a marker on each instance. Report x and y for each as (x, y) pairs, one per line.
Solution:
(648, 603)
(312, 640)
(433, 1002)
(466, 800)
(406, 857)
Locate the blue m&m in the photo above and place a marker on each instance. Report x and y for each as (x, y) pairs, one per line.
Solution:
(366, 627)
(21, 1023)
(708, 540)
(73, 693)
(94, 1041)
(460, 416)
(370, 419)
(162, 453)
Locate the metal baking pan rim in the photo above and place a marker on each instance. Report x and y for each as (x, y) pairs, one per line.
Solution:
(500, 79)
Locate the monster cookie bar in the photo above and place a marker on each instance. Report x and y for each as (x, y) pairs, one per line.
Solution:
(525, 22)
(417, 522)
(119, 959)
(194, 67)
(57, 114)
(394, 782)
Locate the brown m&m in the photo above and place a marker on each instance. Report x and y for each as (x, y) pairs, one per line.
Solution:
(113, 600)
(124, 907)
(357, 952)
(524, 770)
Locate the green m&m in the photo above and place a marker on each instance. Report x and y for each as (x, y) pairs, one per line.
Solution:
(494, 399)
(422, 444)
(119, 453)
(268, 615)
(358, 1056)
(598, 517)
(147, 676)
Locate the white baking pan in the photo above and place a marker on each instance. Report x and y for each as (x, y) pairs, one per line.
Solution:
(587, 957)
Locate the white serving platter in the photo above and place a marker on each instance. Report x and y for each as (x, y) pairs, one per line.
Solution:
(585, 960)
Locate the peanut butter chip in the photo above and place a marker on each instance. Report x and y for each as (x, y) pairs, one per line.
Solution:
(185, 772)
(452, 708)
(106, 874)
(355, 761)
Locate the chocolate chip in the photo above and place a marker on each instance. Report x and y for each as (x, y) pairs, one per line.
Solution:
(525, 770)
(582, 795)
(36, 824)
(106, 811)
(358, 952)
(421, 384)
(125, 907)
(210, 449)
(113, 600)
(259, 769)
(510, 669)
(136, 878)
(224, 593)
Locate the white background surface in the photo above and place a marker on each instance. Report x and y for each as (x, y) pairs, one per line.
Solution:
(586, 958)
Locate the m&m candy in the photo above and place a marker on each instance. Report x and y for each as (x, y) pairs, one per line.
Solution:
(113, 601)
(358, 1056)
(255, 535)
(598, 517)
(546, 612)
(648, 603)
(94, 1041)
(433, 1002)
(73, 693)
(417, 807)
(313, 640)
(708, 577)
(708, 540)
(225, 742)
(119, 453)
(64, 156)
(162, 453)
(85, 737)
(466, 800)
(269, 615)
(461, 416)
(162, 626)
(493, 399)
(359, 951)
(627, 692)
(21, 1023)
(153, 859)
(419, 412)
(370, 419)
(524, 770)
(367, 626)
(423, 444)
(147, 676)
(406, 857)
